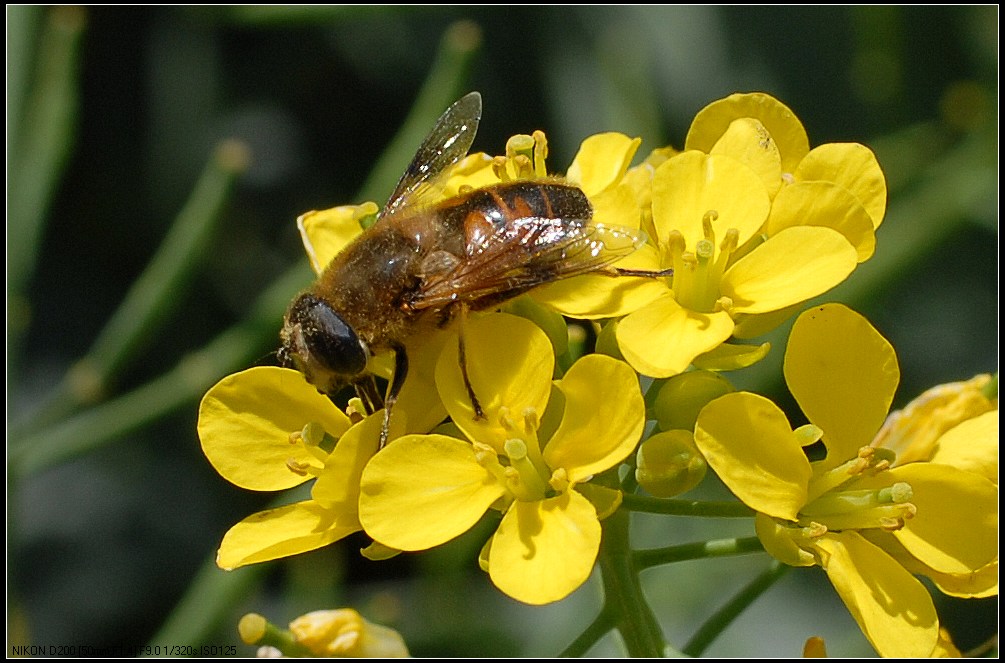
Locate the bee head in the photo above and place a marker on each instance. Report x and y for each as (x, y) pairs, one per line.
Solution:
(321, 345)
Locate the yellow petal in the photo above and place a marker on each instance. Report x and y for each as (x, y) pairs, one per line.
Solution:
(827, 205)
(752, 326)
(604, 417)
(956, 527)
(338, 484)
(914, 431)
(327, 232)
(281, 532)
(893, 609)
(747, 141)
(777, 539)
(544, 550)
(851, 166)
(472, 172)
(979, 583)
(843, 374)
(749, 443)
(663, 338)
(730, 357)
(601, 161)
(692, 184)
(785, 128)
(972, 446)
(419, 399)
(791, 267)
(593, 296)
(510, 364)
(245, 421)
(423, 490)
(617, 206)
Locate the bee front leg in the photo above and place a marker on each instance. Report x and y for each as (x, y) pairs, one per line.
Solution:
(366, 390)
(393, 389)
(462, 359)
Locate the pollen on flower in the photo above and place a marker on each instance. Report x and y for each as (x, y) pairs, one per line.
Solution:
(303, 469)
(559, 480)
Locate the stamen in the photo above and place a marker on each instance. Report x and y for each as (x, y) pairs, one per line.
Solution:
(303, 469)
(706, 224)
(313, 433)
(540, 154)
(559, 480)
(527, 485)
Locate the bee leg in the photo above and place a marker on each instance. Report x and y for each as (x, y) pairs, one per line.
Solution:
(462, 359)
(654, 274)
(366, 389)
(393, 389)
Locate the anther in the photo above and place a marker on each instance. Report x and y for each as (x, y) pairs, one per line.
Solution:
(297, 467)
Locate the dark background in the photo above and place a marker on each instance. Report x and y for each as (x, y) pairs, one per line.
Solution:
(103, 545)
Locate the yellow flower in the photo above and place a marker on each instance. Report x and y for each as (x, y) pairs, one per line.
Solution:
(524, 458)
(868, 524)
(344, 632)
(267, 429)
(323, 633)
(706, 207)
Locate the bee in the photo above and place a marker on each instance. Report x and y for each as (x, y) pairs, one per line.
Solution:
(419, 266)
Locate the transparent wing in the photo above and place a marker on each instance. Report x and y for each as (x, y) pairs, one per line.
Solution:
(447, 143)
(527, 253)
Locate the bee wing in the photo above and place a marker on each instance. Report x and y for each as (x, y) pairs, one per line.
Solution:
(447, 143)
(524, 254)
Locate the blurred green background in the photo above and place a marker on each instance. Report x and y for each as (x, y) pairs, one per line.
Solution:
(119, 166)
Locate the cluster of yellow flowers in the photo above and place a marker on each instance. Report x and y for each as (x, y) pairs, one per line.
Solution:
(753, 224)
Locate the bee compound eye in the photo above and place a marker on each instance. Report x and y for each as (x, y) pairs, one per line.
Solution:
(330, 340)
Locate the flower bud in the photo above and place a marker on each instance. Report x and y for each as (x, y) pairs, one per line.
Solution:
(669, 464)
(681, 398)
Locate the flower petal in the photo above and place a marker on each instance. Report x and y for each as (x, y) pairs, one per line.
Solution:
(893, 609)
(327, 232)
(601, 161)
(786, 130)
(663, 338)
(837, 364)
(692, 184)
(972, 446)
(592, 296)
(604, 417)
(245, 421)
(731, 357)
(281, 532)
(423, 490)
(826, 205)
(510, 364)
(544, 550)
(793, 266)
(747, 141)
(749, 443)
(956, 527)
(851, 166)
(338, 484)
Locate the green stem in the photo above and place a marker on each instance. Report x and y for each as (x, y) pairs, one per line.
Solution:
(194, 374)
(668, 507)
(154, 294)
(723, 617)
(644, 559)
(443, 86)
(603, 623)
(41, 137)
(623, 596)
(207, 603)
